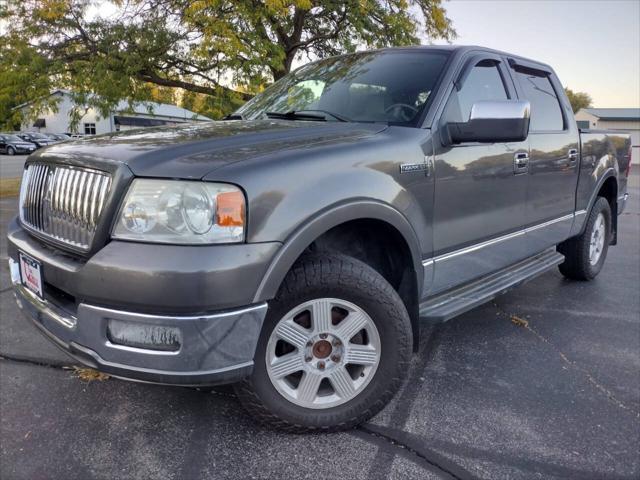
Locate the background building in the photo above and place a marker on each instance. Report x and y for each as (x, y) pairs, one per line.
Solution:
(146, 114)
(627, 119)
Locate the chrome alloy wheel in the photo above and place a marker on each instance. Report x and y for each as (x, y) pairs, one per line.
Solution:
(598, 235)
(323, 353)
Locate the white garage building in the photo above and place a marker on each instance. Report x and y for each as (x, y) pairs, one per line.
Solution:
(120, 119)
(627, 119)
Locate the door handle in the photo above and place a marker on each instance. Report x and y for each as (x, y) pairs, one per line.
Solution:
(572, 155)
(520, 163)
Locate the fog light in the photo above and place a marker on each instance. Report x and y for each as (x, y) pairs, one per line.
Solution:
(148, 337)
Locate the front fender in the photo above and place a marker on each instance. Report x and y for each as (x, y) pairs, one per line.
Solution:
(303, 236)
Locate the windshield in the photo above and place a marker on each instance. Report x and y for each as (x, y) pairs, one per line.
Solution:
(39, 135)
(384, 86)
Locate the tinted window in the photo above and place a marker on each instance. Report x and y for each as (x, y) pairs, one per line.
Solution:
(389, 87)
(483, 83)
(545, 107)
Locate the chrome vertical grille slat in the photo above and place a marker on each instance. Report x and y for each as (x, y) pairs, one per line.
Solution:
(40, 195)
(63, 202)
(85, 200)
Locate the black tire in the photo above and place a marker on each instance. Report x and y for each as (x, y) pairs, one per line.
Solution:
(577, 265)
(333, 276)
(11, 151)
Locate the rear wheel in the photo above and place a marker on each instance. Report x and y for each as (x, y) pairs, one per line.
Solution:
(334, 348)
(11, 151)
(586, 253)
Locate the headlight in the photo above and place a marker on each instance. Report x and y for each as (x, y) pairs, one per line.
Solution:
(172, 211)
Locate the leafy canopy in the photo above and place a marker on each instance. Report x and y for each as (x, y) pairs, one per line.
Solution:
(219, 51)
(578, 100)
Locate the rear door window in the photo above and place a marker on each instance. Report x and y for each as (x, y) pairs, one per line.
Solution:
(546, 114)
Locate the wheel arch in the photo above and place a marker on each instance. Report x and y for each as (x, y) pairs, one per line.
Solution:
(606, 187)
(334, 217)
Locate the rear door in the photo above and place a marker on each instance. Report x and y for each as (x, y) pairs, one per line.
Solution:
(479, 208)
(553, 158)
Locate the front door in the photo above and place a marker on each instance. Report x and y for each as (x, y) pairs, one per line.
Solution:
(479, 207)
(553, 161)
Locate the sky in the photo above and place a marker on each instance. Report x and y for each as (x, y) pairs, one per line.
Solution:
(593, 45)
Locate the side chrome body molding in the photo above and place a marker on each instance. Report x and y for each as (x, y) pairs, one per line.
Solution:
(452, 268)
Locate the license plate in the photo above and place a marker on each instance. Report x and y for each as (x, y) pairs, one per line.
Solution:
(31, 274)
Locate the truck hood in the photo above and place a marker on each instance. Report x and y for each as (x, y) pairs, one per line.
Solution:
(193, 150)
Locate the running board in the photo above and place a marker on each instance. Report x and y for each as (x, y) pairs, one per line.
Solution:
(452, 303)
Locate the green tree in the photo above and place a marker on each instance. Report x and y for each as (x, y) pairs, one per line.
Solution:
(578, 100)
(228, 49)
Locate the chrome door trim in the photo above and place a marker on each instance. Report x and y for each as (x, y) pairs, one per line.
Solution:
(550, 222)
(493, 241)
(478, 246)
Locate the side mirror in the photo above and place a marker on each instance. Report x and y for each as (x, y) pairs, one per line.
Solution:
(493, 121)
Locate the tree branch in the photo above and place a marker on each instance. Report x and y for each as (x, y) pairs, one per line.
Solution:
(168, 82)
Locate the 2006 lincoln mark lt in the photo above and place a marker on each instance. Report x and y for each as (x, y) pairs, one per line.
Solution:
(293, 248)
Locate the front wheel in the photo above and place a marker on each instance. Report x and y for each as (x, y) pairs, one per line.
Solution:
(11, 151)
(586, 253)
(334, 348)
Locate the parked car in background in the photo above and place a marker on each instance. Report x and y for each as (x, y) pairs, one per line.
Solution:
(11, 144)
(294, 249)
(58, 137)
(38, 139)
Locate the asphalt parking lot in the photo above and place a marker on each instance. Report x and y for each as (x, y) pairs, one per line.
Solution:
(555, 394)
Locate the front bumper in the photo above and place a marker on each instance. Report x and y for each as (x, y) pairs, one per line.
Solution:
(204, 294)
(216, 348)
(152, 278)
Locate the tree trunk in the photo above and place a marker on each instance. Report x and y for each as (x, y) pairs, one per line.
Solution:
(285, 68)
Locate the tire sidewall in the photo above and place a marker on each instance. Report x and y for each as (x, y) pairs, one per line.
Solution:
(11, 151)
(395, 345)
(600, 207)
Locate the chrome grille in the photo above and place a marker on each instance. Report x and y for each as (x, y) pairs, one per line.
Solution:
(62, 202)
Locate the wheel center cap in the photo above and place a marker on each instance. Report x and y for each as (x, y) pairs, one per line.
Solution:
(322, 349)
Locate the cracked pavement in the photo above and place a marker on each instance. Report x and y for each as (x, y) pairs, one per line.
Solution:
(543, 382)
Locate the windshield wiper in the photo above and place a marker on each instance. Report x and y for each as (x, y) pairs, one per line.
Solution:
(303, 115)
(233, 116)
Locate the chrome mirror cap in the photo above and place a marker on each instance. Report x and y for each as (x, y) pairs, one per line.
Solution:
(500, 110)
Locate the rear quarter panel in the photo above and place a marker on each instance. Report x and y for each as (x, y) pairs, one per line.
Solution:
(603, 154)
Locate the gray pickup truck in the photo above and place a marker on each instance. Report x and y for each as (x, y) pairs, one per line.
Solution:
(293, 248)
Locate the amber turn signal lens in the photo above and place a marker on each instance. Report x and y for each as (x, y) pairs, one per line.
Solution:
(230, 209)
